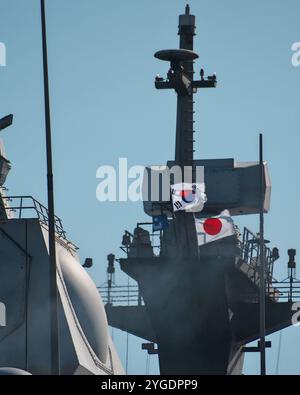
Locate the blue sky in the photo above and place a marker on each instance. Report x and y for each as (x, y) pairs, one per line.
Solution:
(104, 106)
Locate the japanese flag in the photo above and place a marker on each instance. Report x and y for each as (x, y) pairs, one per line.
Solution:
(214, 228)
(188, 197)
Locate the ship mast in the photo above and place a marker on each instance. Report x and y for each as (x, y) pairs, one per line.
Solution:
(180, 78)
(184, 151)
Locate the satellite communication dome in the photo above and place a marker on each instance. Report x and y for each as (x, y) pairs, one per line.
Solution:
(87, 304)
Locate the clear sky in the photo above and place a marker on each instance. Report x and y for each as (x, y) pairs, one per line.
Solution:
(104, 106)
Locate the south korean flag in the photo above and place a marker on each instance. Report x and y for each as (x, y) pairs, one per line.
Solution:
(188, 197)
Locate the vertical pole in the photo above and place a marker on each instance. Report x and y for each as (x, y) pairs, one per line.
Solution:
(51, 218)
(262, 304)
(290, 299)
(27, 268)
(108, 292)
(184, 151)
(185, 104)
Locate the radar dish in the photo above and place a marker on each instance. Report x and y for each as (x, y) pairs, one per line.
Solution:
(179, 55)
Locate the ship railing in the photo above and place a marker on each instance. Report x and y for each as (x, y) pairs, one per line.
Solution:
(122, 295)
(250, 254)
(288, 289)
(280, 292)
(29, 207)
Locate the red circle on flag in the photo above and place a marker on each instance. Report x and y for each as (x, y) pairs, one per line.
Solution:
(188, 195)
(212, 226)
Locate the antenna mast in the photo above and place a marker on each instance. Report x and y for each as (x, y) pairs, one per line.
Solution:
(51, 216)
(180, 78)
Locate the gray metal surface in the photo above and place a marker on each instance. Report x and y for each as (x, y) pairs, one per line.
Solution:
(25, 339)
(202, 302)
(177, 55)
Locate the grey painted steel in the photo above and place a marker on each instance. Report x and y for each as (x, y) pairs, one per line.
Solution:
(86, 346)
(202, 302)
(13, 372)
(87, 304)
(230, 185)
(35, 293)
(132, 319)
(176, 55)
(25, 342)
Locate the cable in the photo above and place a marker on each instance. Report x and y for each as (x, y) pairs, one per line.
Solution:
(127, 334)
(278, 354)
(147, 364)
(127, 342)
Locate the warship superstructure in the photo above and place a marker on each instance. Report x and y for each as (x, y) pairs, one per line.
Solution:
(85, 346)
(197, 299)
(52, 318)
(197, 304)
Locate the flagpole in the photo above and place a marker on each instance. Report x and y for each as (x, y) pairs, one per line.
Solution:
(54, 337)
(262, 293)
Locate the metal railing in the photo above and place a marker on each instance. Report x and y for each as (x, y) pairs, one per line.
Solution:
(250, 255)
(288, 289)
(285, 290)
(248, 242)
(28, 207)
(122, 295)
